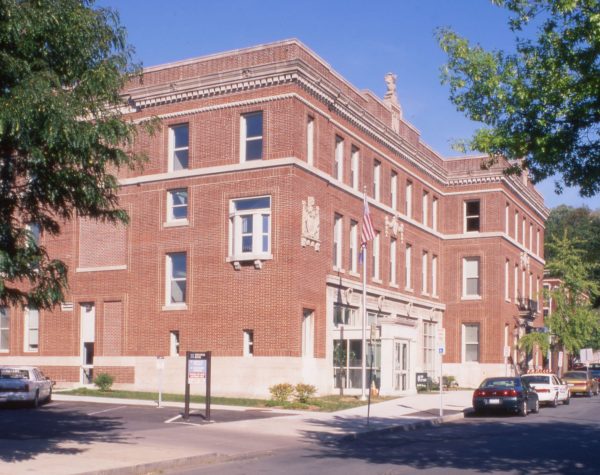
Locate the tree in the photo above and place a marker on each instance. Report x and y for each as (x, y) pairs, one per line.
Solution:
(541, 103)
(62, 135)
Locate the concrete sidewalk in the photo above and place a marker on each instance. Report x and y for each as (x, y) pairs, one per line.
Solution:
(159, 449)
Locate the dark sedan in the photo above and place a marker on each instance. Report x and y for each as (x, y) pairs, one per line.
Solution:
(511, 394)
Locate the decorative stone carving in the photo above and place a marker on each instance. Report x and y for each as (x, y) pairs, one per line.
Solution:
(409, 308)
(390, 82)
(395, 226)
(524, 260)
(310, 224)
(380, 301)
(348, 295)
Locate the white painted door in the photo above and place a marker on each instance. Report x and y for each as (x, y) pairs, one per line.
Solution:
(401, 366)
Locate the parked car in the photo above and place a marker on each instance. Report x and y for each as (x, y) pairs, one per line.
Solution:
(581, 382)
(512, 394)
(24, 384)
(549, 388)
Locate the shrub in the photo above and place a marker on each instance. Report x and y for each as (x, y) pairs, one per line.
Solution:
(304, 392)
(281, 392)
(104, 381)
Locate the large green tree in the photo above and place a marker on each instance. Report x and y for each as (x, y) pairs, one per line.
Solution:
(541, 102)
(63, 64)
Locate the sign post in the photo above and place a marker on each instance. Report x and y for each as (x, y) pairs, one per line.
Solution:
(197, 371)
(441, 338)
(160, 366)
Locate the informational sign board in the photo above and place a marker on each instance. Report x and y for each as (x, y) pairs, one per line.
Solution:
(160, 362)
(421, 380)
(506, 351)
(197, 371)
(586, 355)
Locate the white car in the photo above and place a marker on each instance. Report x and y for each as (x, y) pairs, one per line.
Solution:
(550, 389)
(24, 384)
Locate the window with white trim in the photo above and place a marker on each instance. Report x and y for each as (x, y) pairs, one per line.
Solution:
(408, 268)
(174, 343)
(434, 214)
(354, 167)
(506, 213)
(425, 208)
(434, 275)
(176, 272)
(472, 216)
(177, 205)
(353, 247)
(4, 329)
(471, 342)
(250, 228)
(537, 242)
(32, 328)
(393, 253)
(506, 283)
(408, 199)
(310, 140)
(530, 286)
(337, 241)
(248, 342)
(516, 225)
(251, 136)
(394, 190)
(531, 237)
(377, 179)
(308, 331)
(179, 147)
(471, 283)
(524, 241)
(429, 336)
(375, 254)
(338, 162)
(424, 265)
(516, 282)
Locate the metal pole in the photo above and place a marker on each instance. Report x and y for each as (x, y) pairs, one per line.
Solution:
(441, 385)
(160, 381)
(370, 382)
(186, 412)
(364, 325)
(208, 377)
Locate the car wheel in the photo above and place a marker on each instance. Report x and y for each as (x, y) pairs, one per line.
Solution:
(536, 407)
(49, 398)
(567, 401)
(523, 409)
(590, 393)
(36, 400)
(555, 401)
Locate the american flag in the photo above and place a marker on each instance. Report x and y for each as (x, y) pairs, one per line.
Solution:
(368, 233)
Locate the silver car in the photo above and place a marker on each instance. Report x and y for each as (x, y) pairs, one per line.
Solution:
(24, 384)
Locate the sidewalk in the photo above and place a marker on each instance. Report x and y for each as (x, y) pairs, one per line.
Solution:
(155, 450)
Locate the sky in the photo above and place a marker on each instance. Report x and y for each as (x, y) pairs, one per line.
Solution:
(360, 39)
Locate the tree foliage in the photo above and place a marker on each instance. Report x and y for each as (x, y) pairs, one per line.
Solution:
(62, 135)
(540, 103)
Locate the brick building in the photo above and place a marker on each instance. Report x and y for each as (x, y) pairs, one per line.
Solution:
(245, 238)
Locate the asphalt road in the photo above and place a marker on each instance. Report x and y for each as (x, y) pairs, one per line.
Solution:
(555, 441)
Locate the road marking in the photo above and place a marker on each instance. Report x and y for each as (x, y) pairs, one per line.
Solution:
(173, 419)
(106, 410)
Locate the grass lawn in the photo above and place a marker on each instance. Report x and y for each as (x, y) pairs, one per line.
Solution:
(330, 403)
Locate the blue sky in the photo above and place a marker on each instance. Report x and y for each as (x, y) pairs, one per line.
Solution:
(361, 40)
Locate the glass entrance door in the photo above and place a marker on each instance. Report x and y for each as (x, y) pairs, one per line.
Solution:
(401, 365)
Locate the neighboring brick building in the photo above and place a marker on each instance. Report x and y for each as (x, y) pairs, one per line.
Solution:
(245, 236)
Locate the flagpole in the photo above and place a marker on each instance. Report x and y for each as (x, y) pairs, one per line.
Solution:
(364, 316)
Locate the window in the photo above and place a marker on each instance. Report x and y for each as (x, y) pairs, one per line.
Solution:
(343, 315)
(376, 179)
(408, 268)
(506, 283)
(516, 225)
(248, 343)
(506, 212)
(531, 237)
(472, 216)
(537, 242)
(434, 214)
(337, 241)
(425, 208)
(376, 274)
(32, 325)
(338, 163)
(530, 286)
(354, 167)
(308, 329)
(251, 136)
(394, 190)
(176, 278)
(424, 276)
(174, 343)
(471, 285)
(408, 198)
(177, 205)
(471, 342)
(523, 232)
(393, 251)
(353, 246)
(4, 329)
(429, 348)
(310, 140)
(434, 276)
(523, 283)
(36, 232)
(179, 147)
(516, 282)
(250, 225)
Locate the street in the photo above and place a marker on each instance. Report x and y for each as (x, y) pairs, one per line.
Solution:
(561, 440)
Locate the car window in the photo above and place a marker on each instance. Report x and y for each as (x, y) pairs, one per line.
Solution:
(536, 379)
(498, 383)
(555, 380)
(574, 375)
(11, 373)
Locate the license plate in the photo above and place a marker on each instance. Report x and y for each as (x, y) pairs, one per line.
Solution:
(493, 401)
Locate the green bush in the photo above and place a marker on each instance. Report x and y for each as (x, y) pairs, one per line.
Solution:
(304, 392)
(104, 381)
(281, 392)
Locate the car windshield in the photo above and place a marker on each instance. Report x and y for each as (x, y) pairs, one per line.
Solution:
(537, 379)
(575, 376)
(10, 373)
(498, 383)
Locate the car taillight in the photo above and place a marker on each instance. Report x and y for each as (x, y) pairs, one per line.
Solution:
(510, 392)
(480, 393)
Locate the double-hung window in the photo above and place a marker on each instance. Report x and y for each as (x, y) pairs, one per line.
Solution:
(394, 190)
(354, 167)
(472, 216)
(4, 329)
(338, 161)
(250, 228)
(424, 276)
(353, 246)
(471, 284)
(177, 205)
(176, 273)
(251, 136)
(408, 268)
(408, 199)
(425, 208)
(471, 342)
(376, 241)
(310, 140)
(32, 328)
(337, 241)
(377, 180)
(393, 254)
(434, 276)
(434, 214)
(179, 147)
